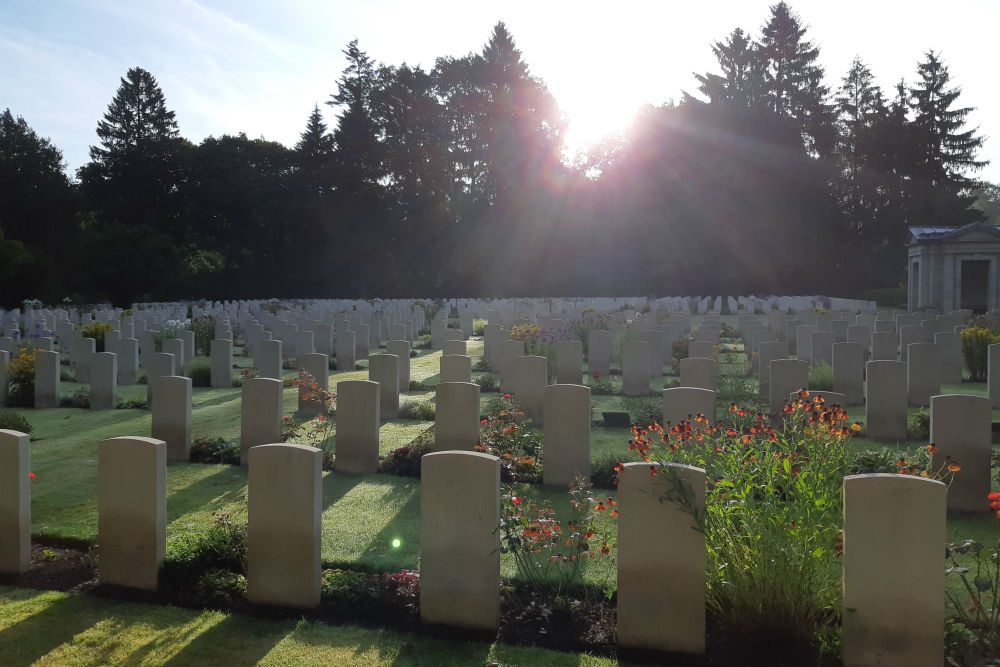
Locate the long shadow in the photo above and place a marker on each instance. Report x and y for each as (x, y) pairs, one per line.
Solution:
(336, 485)
(35, 636)
(227, 484)
(384, 551)
(204, 403)
(236, 640)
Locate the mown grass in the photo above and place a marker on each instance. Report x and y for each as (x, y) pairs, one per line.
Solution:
(59, 629)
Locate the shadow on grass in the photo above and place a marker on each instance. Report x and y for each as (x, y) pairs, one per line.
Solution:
(236, 640)
(35, 636)
(336, 485)
(225, 484)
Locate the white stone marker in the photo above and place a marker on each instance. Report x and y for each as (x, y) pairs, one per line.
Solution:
(459, 546)
(15, 502)
(961, 429)
(698, 372)
(260, 414)
(175, 346)
(384, 369)
(528, 385)
(172, 415)
(635, 371)
(158, 364)
(131, 510)
(453, 347)
(362, 339)
(569, 362)
(221, 363)
(284, 509)
(189, 352)
(46, 379)
(318, 366)
(324, 339)
(599, 352)
(702, 349)
(507, 352)
(885, 408)
(951, 356)
(346, 351)
(104, 381)
(894, 532)
(128, 361)
(849, 371)
(821, 346)
(923, 373)
(357, 427)
(803, 341)
(267, 358)
(766, 353)
(884, 346)
(680, 403)
(787, 375)
(456, 416)
(993, 375)
(566, 434)
(401, 348)
(455, 368)
(81, 356)
(656, 612)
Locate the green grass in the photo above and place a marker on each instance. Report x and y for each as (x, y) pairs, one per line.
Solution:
(47, 628)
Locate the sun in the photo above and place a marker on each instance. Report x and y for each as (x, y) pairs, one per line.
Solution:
(590, 120)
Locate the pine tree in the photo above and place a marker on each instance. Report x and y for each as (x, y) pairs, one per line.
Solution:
(314, 142)
(741, 79)
(793, 82)
(136, 122)
(358, 151)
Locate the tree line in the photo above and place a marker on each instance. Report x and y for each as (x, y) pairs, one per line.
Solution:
(453, 181)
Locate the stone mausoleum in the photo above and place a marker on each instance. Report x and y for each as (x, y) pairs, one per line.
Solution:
(950, 268)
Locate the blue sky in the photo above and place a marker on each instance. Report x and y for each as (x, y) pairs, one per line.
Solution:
(258, 67)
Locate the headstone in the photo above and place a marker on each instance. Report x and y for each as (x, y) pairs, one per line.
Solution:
(104, 381)
(175, 346)
(361, 341)
(384, 369)
(923, 373)
(81, 355)
(849, 371)
(346, 351)
(894, 529)
(221, 363)
(401, 348)
(188, 337)
(787, 375)
(530, 375)
(459, 543)
(698, 372)
(172, 415)
(908, 334)
(635, 374)
(128, 361)
(655, 339)
(803, 341)
(357, 427)
(961, 429)
(284, 509)
(15, 502)
(993, 375)
(884, 346)
(766, 353)
(261, 408)
(456, 416)
(323, 334)
(821, 345)
(885, 405)
(131, 510)
(701, 349)
(857, 333)
(46, 379)
(507, 352)
(664, 614)
(681, 403)
(950, 346)
(569, 362)
(566, 434)
(158, 364)
(453, 347)
(599, 352)
(455, 368)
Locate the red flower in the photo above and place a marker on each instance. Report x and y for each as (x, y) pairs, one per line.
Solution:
(31, 475)
(506, 395)
(993, 496)
(600, 507)
(515, 500)
(614, 512)
(597, 374)
(482, 422)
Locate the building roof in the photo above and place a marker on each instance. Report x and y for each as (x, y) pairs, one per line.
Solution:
(953, 233)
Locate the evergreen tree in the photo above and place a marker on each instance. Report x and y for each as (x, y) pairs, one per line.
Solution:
(137, 120)
(356, 137)
(741, 80)
(793, 82)
(314, 142)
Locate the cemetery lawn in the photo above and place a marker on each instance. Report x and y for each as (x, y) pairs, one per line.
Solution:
(51, 628)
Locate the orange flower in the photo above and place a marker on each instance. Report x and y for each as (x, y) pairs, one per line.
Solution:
(932, 448)
(600, 507)
(993, 496)
(954, 467)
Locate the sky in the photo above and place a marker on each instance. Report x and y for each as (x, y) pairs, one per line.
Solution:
(259, 66)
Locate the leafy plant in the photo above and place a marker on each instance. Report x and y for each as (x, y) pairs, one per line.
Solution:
(244, 375)
(821, 376)
(199, 369)
(479, 327)
(14, 421)
(204, 334)
(420, 410)
(80, 399)
(601, 385)
(420, 385)
(405, 461)
(976, 343)
(487, 383)
(21, 376)
(643, 409)
(131, 404)
(508, 436)
(96, 330)
(980, 611)
(215, 450)
(194, 566)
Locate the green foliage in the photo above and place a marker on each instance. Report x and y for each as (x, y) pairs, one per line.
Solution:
(199, 369)
(507, 435)
(80, 399)
(479, 327)
(487, 383)
(602, 386)
(132, 403)
(821, 376)
(405, 461)
(204, 334)
(643, 410)
(420, 410)
(920, 425)
(21, 376)
(14, 421)
(978, 606)
(96, 330)
(420, 385)
(244, 375)
(200, 569)
(976, 343)
(215, 450)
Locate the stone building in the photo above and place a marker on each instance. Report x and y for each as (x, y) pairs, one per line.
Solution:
(950, 268)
